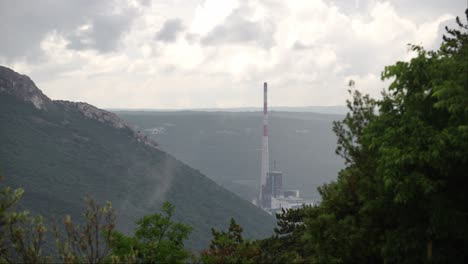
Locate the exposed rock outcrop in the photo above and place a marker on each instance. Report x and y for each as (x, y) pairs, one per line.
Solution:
(108, 118)
(93, 112)
(23, 88)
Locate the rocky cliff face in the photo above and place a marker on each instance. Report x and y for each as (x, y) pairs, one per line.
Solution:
(24, 89)
(108, 118)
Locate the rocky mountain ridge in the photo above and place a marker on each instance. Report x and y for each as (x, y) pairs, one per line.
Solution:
(23, 88)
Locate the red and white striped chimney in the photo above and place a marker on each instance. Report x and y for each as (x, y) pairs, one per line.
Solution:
(265, 154)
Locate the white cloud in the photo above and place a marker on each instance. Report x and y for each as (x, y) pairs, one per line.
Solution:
(211, 13)
(367, 84)
(316, 47)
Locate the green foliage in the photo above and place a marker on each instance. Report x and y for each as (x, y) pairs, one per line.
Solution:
(21, 236)
(90, 243)
(157, 239)
(8, 199)
(231, 247)
(286, 245)
(336, 231)
(402, 197)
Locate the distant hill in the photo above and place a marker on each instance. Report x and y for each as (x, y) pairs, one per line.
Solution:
(226, 146)
(60, 151)
(334, 109)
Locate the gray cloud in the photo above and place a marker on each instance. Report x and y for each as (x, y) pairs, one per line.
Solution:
(145, 2)
(298, 45)
(304, 68)
(192, 38)
(237, 29)
(25, 23)
(105, 32)
(451, 24)
(418, 11)
(169, 30)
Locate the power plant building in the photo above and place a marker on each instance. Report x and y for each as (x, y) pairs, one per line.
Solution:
(272, 196)
(272, 188)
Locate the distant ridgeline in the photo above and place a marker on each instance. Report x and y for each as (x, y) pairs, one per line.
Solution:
(61, 151)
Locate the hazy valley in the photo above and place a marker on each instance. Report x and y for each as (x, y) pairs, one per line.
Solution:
(226, 146)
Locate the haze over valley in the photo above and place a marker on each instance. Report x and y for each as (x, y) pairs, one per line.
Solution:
(226, 146)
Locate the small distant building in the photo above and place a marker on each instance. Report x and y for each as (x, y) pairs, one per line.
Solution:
(272, 188)
(291, 193)
(276, 198)
(276, 178)
(289, 200)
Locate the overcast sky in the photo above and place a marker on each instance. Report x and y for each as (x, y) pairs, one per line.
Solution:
(214, 53)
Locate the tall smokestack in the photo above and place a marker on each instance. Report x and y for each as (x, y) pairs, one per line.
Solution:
(263, 200)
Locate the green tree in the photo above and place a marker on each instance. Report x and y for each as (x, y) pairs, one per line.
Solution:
(286, 245)
(89, 243)
(231, 247)
(157, 239)
(22, 237)
(342, 229)
(402, 196)
(425, 158)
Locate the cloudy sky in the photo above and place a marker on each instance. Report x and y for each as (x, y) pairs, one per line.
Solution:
(214, 53)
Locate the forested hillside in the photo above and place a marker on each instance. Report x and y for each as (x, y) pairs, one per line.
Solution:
(59, 152)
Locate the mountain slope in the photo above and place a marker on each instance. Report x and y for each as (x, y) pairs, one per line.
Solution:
(61, 151)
